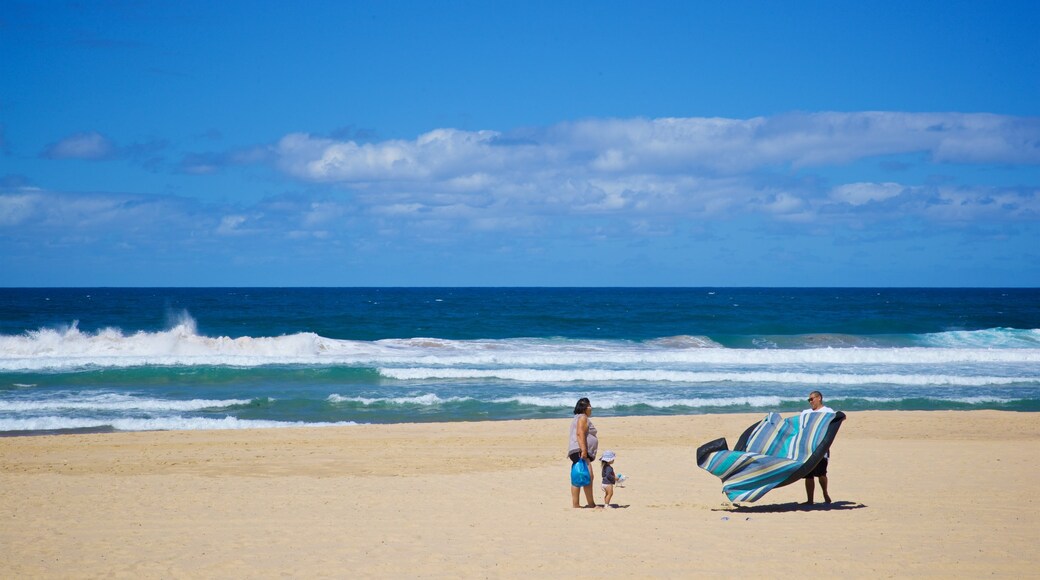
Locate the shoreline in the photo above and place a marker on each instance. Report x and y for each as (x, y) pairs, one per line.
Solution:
(69, 431)
(62, 431)
(490, 498)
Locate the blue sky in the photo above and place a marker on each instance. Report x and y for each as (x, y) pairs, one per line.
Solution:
(519, 143)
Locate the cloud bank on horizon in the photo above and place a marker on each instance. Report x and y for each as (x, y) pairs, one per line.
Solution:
(696, 168)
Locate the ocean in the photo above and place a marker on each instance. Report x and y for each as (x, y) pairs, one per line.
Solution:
(104, 359)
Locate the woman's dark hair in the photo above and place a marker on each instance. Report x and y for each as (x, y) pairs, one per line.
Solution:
(583, 403)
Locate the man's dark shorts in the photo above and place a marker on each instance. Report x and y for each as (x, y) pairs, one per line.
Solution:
(820, 470)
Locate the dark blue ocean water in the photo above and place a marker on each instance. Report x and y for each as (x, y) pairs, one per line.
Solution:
(168, 358)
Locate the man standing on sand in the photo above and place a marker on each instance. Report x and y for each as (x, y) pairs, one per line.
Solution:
(816, 406)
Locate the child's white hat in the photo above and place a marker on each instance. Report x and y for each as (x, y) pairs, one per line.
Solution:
(608, 456)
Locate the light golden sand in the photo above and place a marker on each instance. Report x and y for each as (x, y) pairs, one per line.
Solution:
(935, 494)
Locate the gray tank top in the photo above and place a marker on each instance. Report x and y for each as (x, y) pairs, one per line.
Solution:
(591, 442)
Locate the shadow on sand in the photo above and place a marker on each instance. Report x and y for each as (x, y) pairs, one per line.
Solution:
(791, 507)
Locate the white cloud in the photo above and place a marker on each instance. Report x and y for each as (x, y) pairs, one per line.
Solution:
(322, 212)
(987, 205)
(398, 209)
(439, 154)
(17, 208)
(783, 203)
(668, 166)
(660, 146)
(861, 193)
(229, 225)
(57, 218)
(92, 145)
(61, 214)
(210, 163)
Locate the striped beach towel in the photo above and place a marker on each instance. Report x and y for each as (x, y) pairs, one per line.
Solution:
(772, 453)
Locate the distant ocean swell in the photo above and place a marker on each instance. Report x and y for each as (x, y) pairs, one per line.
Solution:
(68, 379)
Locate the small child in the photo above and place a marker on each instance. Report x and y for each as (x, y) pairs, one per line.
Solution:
(609, 478)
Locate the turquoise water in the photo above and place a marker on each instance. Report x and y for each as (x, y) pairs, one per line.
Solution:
(135, 359)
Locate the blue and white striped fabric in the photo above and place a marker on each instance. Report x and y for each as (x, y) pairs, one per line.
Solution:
(776, 449)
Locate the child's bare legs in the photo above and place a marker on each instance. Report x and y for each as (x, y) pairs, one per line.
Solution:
(608, 493)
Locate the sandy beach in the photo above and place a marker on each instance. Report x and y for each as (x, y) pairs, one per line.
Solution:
(940, 494)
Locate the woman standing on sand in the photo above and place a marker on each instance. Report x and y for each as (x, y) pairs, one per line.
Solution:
(582, 447)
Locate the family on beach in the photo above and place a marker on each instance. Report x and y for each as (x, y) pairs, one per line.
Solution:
(583, 444)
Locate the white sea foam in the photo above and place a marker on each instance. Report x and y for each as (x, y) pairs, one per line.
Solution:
(988, 338)
(69, 348)
(685, 341)
(428, 399)
(603, 400)
(115, 402)
(980, 400)
(599, 375)
(158, 424)
(615, 400)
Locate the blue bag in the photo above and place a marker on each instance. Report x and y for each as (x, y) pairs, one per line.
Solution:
(580, 476)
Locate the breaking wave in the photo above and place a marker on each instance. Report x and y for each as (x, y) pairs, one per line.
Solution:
(69, 349)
